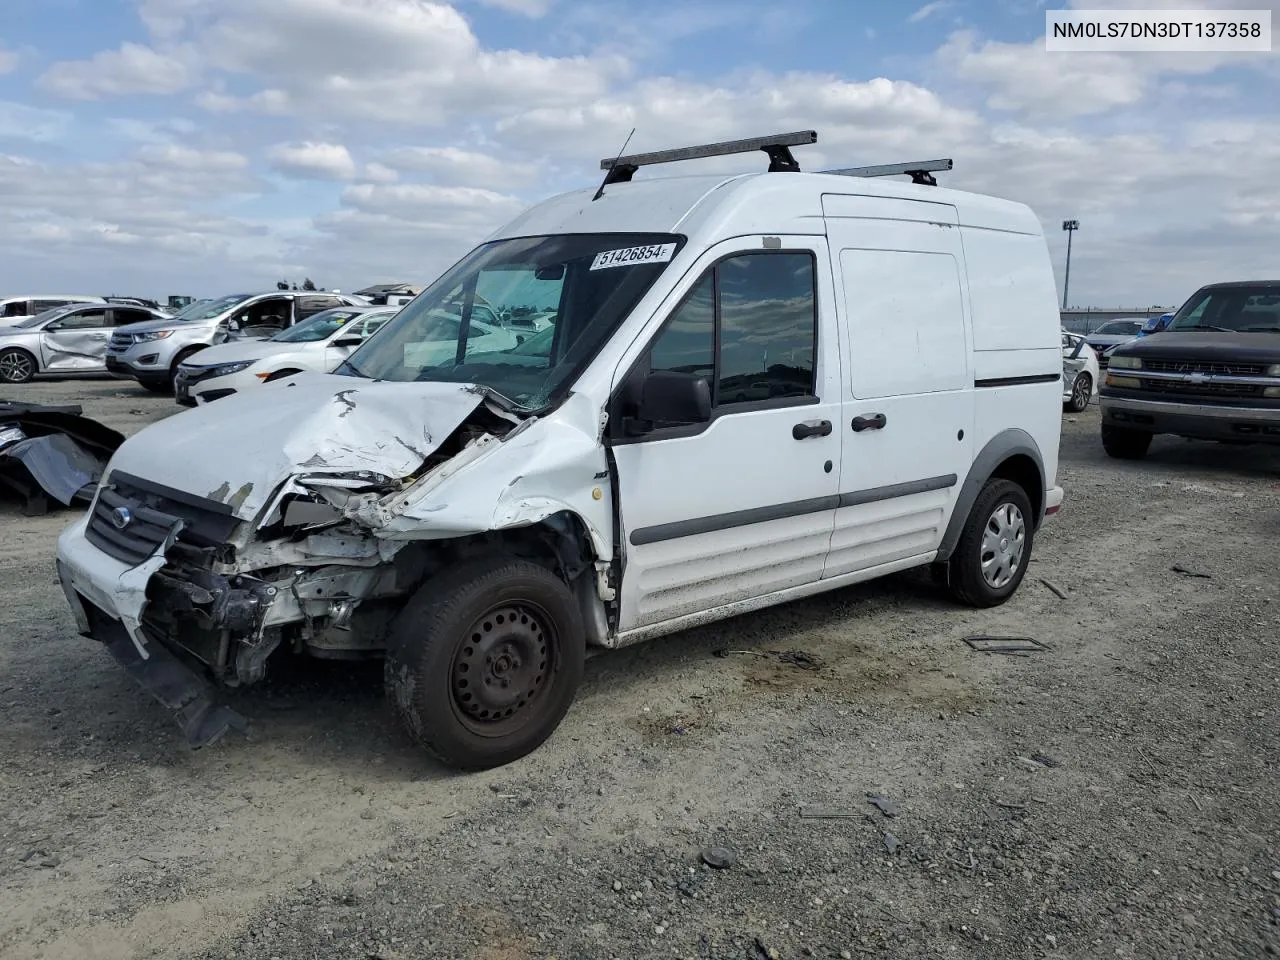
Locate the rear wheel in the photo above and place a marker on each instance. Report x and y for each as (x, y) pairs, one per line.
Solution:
(993, 551)
(1125, 444)
(16, 366)
(485, 660)
(1081, 393)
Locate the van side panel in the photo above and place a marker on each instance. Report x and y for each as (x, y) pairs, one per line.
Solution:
(1017, 339)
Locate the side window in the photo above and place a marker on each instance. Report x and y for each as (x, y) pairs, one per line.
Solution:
(87, 320)
(768, 327)
(120, 317)
(270, 314)
(309, 306)
(40, 306)
(688, 343)
(371, 326)
(15, 308)
(749, 326)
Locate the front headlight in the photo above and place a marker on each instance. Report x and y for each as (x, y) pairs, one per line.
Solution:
(152, 335)
(1273, 370)
(226, 369)
(1125, 363)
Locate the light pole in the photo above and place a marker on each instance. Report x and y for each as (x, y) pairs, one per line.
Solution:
(1071, 226)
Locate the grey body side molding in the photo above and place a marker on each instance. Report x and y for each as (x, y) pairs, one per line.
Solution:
(999, 448)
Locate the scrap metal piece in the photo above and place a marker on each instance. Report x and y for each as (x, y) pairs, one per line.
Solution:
(52, 454)
(1011, 645)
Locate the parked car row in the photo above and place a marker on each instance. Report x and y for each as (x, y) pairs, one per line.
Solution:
(1080, 372)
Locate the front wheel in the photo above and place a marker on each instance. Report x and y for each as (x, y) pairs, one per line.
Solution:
(485, 660)
(1081, 393)
(1125, 444)
(16, 366)
(991, 557)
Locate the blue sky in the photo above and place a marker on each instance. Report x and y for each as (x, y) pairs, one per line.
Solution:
(199, 146)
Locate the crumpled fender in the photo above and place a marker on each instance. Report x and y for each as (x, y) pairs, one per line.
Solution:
(545, 466)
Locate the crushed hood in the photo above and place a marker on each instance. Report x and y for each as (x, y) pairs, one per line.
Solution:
(240, 449)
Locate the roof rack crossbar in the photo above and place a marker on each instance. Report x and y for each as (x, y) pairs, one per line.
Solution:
(920, 171)
(621, 169)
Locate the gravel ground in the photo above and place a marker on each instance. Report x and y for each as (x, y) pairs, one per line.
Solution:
(1112, 796)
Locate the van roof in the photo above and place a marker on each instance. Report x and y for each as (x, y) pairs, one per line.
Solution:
(744, 205)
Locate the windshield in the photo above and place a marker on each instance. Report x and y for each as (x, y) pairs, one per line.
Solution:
(208, 309)
(320, 327)
(1119, 328)
(53, 314)
(1242, 309)
(470, 325)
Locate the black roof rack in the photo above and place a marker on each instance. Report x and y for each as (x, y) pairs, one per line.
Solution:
(920, 171)
(621, 169)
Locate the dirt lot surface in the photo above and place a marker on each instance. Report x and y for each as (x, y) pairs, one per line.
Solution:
(1113, 796)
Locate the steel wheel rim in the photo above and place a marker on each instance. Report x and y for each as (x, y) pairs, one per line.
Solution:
(1080, 393)
(14, 367)
(1004, 541)
(502, 669)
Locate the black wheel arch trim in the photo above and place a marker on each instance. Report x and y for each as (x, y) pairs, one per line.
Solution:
(1008, 443)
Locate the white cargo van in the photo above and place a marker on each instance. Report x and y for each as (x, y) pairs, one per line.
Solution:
(750, 389)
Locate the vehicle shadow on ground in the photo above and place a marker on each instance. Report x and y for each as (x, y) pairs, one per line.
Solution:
(1170, 456)
(337, 712)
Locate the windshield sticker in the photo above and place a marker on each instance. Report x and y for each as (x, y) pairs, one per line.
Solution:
(630, 256)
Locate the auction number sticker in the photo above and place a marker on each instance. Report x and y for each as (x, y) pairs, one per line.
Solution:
(630, 256)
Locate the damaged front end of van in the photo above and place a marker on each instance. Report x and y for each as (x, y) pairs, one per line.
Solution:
(319, 517)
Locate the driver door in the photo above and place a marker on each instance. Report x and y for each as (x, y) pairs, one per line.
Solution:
(76, 342)
(742, 505)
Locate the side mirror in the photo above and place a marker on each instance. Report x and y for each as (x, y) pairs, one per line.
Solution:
(348, 342)
(53, 327)
(667, 396)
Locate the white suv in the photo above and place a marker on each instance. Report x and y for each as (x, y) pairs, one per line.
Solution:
(751, 389)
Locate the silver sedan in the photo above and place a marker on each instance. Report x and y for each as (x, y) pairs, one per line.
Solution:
(67, 340)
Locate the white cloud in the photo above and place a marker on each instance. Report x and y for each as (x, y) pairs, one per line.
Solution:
(929, 9)
(457, 167)
(380, 173)
(133, 68)
(8, 61)
(313, 161)
(18, 121)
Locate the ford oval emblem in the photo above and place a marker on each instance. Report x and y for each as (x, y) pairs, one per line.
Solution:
(121, 517)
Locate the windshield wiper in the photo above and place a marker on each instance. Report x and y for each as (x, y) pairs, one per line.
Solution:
(355, 371)
(1260, 330)
(1207, 326)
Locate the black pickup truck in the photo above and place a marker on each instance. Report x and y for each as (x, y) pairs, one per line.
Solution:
(1212, 374)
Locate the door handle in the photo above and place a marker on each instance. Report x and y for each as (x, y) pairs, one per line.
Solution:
(874, 422)
(814, 428)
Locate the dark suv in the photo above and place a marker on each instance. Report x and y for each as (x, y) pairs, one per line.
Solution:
(1212, 374)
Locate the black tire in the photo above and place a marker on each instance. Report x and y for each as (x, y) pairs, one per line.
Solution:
(1081, 393)
(1125, 444)
(173, 367)
(462, 638)
(968, 582)
(17, 366)
(155, 386)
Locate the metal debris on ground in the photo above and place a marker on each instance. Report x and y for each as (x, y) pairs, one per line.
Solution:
(891, 842)
(1054, 588)
(1009, 645)
(719, 858)
(884, 805)
(52, 454)
(1191, 572)
(1044, 760)
(828, 813)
